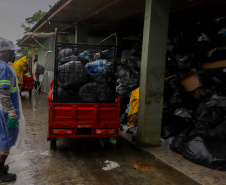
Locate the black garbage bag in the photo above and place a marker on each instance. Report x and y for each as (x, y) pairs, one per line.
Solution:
(219, 131)
(63, 94)
(194, 129)
(83, 60)
(106, 54)
(170, 69)
(129, 78)
(123, 90)
(137, 49)
(203, 92)
(220, 51)
(199, 50)
(215, 79)
(185, 60)
(95, 92)
(178, 142)
(173, 125)
(206, 151)
(66, 52)
(98, 77)
(72, 75)
(211, 110)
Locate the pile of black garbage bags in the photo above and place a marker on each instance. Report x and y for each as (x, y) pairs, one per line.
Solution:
(194, 122)
(86, 77)
(128, 77)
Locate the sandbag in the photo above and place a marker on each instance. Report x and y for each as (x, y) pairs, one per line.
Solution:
(94, 92)
(71, 75)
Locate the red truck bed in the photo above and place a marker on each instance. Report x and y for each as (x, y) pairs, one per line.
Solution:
(28, 82)
(77, 120)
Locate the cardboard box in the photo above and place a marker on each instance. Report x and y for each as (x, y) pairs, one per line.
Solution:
(191, 81)
(217, 64)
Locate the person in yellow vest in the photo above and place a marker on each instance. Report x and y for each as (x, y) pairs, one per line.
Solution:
(20, 67)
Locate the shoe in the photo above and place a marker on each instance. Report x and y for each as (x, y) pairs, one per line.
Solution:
(6, 168)
(5, 176)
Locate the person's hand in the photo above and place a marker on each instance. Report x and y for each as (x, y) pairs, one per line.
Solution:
(12, 119)
(11, 123)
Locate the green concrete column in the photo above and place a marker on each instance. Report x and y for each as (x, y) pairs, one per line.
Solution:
(81, 34)
(152, 72)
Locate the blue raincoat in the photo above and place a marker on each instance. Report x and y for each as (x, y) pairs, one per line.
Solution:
(8, 136)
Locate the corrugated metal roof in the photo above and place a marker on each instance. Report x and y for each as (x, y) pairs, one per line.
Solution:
(108, 16)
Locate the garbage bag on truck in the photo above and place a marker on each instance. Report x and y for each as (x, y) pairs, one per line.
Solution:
(72, 75)
(96, 77)
(95, 66)
(66, 52)
(63, 94)
(83, 60)
(106, 54)
(94, 92)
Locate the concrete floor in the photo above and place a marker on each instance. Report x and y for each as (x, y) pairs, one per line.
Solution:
(200, 174)
(81, 161)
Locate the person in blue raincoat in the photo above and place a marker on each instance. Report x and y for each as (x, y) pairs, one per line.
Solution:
(9, 106)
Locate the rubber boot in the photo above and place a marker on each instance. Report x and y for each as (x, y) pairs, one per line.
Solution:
(5, 176)
(6, 168)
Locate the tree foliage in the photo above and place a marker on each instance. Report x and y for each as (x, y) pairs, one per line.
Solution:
(30, 21)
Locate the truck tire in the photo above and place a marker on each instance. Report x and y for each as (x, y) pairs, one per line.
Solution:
(53, 144)
(30, 93)
(104, 141)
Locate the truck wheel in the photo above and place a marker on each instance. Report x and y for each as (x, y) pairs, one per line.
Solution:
(53, 144)
(104, 141)
(30, 93)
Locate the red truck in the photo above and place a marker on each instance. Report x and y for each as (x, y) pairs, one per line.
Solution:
(28, 79)
(73, 118)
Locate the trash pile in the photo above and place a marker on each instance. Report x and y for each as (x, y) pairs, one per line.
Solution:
(86, 77)
(128, 79)
(193, 120)
(194, 109)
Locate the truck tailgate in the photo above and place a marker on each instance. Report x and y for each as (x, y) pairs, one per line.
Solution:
(84, 118)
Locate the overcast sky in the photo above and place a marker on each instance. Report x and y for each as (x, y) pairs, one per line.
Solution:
(14, 12)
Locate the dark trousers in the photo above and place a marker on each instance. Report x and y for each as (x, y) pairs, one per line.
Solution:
(37, 84)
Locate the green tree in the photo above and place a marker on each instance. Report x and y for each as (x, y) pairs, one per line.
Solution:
(30, 21)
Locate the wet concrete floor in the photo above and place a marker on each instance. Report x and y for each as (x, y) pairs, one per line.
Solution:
(80, 161)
